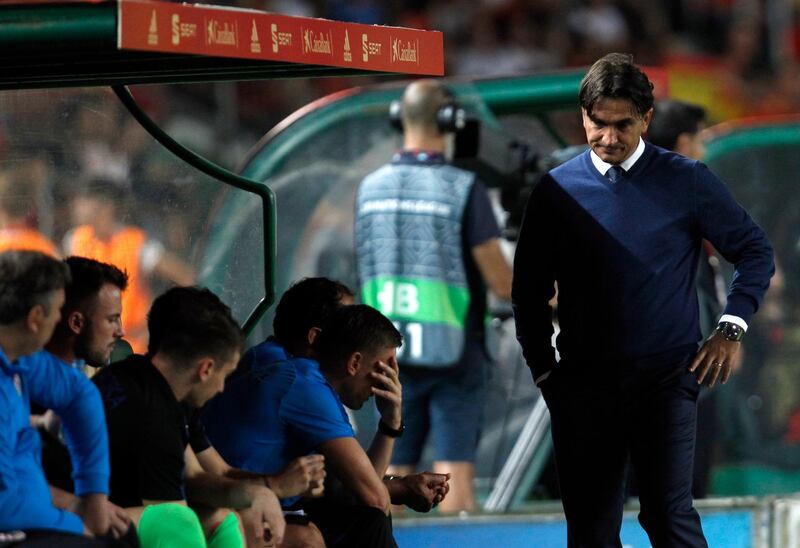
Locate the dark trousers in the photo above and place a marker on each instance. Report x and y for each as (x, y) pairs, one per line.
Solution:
(346, 526)
(604, 414)
(707, 440)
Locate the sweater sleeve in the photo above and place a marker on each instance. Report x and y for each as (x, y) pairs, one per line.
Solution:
(533, 283)
(743, 243)
(76, 400)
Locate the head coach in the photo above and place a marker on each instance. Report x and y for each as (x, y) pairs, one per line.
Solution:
(619, 230)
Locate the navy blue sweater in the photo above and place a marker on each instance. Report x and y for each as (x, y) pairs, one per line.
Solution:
(625, 257)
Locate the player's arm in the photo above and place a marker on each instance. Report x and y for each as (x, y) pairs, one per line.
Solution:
(55, 385)
(304, 475)
(258, 505)
(482, 238)
(349, 463)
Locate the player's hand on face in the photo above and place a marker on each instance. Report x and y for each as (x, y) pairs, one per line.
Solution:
(388, 392)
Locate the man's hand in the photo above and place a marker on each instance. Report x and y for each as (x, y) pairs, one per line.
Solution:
(94, 513)
(715, 359)
(303, 476)
(388, 393)
(263, 521)
(118, 520)
(422, 491)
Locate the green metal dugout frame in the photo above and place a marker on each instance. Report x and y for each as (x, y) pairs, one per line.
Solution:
(729, 138)
(220, 173)
(536, 94)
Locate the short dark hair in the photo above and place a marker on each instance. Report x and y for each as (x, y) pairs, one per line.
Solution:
(671, 119)
(355, 328)
(306, 304)
(27, 279)
(88, 277)
(614, 76)
(186, 323)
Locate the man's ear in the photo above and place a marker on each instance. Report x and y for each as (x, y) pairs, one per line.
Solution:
(585, 117)
(648, 116)
(353, 363)
(204, 367)
(312, 335)
(76, 322)
(33, 321)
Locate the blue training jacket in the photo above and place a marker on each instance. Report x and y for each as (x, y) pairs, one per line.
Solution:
(25, 501)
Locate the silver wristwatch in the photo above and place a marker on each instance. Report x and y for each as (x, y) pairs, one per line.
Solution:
(731, 331)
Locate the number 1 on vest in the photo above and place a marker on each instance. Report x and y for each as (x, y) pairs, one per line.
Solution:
(412, 339)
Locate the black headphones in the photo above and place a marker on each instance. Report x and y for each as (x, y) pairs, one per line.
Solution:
(450, 118)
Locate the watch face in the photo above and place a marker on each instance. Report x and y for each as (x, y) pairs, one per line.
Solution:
(731, 331)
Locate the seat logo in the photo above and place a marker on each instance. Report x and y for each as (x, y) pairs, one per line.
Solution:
(181, 30)
(279, 39)
(369, 48)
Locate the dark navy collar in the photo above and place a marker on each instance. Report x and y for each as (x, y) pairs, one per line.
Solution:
(417, 156)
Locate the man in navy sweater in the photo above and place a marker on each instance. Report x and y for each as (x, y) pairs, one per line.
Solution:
(619, 229)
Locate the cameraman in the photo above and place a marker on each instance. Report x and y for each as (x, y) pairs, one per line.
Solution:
(427, 247)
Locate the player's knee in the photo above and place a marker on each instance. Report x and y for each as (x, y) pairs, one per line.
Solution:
(170, 525)
(228, 532)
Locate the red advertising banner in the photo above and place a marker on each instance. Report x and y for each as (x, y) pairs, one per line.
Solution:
(248, 34)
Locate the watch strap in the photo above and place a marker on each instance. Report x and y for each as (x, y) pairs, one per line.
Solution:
(387, 430)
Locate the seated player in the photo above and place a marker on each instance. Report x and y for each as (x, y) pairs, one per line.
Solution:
(195, 345)
(282, 403)
(90, 326)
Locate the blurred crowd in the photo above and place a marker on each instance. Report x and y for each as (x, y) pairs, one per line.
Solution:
(78, 175)
(736, 57)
